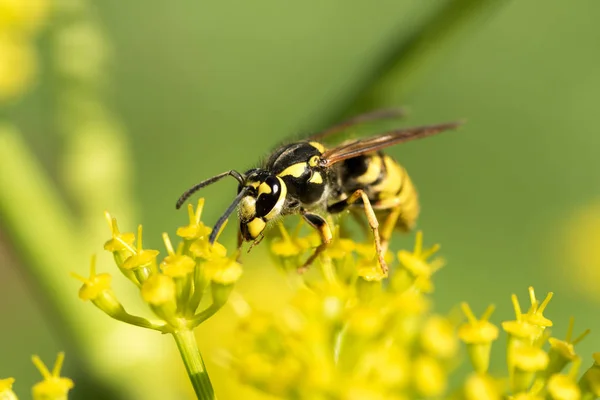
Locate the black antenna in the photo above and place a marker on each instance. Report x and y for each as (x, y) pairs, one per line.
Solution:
(207, 182)
(226, 214)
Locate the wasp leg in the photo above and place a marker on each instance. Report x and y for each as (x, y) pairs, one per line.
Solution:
(370, 213)
(317, 222)
(387, 228)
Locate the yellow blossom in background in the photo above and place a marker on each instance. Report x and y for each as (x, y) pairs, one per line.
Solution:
(19, 22)
(53, 387)
(579, 251)
(6, 392)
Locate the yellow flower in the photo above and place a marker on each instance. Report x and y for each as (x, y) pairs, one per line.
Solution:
(563, 351)
(120, 241)
(141, 257)
(176, 265)
(438, 337)
(53, 387)
(416, 261)
(564, 386)
(195, 229)
(478, 335)
(289, 245)
(18, 65)
(6, 392)
(535, 315)
(590, 381)
(430, 379)
(23, 16)
(481, 387)
(525, 362)
(158, 290)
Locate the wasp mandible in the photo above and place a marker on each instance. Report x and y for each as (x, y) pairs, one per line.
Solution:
(308, 179)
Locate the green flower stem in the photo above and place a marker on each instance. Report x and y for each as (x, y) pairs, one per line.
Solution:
(206, 314)
(194, 364)
(200, 284)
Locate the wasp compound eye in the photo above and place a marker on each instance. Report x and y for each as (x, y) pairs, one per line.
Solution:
(269, 192)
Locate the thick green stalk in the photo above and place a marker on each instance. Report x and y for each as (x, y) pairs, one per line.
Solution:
(194, 364)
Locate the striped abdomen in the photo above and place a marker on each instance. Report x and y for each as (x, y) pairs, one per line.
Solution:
(385, 182)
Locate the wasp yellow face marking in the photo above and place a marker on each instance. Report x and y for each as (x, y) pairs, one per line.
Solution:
(247, 208)
(314, 160)
(255, 227)
(264, 188)
(276, 210)
(372, 173)
(295, 170)
(316, 178)
(318, 146)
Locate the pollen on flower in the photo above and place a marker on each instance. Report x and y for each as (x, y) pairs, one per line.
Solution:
(53, 386)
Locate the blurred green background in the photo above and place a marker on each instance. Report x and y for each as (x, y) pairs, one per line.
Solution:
(197, 88)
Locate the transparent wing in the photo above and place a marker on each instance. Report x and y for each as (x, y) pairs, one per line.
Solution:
(377, 115)
(360, 147)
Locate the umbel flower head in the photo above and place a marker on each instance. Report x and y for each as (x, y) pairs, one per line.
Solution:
(173, 287)
(359, 334)
(350, 331)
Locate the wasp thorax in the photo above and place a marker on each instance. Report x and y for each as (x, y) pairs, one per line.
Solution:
(264, 202)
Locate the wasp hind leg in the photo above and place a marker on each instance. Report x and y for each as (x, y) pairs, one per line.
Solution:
(388, 226)
(317, 222)
(371, 218)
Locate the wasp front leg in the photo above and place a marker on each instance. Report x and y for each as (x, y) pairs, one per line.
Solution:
(317, 222)
(373, 223)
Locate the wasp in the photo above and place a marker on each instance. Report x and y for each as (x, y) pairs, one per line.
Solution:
(306, 178)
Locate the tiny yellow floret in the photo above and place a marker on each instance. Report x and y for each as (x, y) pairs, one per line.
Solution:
(196, 229)
(158, 289)
(53, 387)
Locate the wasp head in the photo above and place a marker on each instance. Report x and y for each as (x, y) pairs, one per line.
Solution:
(264, 200)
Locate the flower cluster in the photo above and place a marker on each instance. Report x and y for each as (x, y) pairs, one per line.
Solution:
(533, 373)
(355, 334)
(173, 288)
(53, 387)
(358, 334)
(19, 22)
